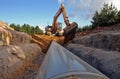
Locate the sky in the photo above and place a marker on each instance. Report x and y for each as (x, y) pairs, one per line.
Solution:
(41, 12)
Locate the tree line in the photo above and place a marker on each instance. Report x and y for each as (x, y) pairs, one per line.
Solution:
(107, 16)
(27, 28)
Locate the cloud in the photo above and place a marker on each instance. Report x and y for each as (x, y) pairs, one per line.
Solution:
(72, 15)
(42, 28)
(86, 8)
(71, 2)
(60, 1)
(116, 3)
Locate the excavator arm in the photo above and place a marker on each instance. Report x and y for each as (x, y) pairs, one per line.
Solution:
(64, 15)
(69, 30)
(63, 11)
(54, 27)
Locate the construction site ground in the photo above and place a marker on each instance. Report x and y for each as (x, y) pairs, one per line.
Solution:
(100, 48)
(31, 70)
(43, 41)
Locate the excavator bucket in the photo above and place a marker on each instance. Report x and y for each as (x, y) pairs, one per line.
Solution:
(69, 31)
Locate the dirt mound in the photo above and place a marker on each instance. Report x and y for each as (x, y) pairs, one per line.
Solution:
(19, 38)
(104, 40)
(14, 59)
(10, 37)
(100, 48)
(108, 62)
(112, 27)
(44, 40)
(31, 70)
(115, 27)
(5, 25)
(5, 36)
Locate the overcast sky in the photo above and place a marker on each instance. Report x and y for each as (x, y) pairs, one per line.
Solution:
(41, 12)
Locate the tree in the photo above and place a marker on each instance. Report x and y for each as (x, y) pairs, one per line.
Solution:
(107, 16)
(79, 29)
(16, 27)
(38, 30)
(32, 30)
(27, 28)
(96, 19)
(87, 27)
(13, 25)
(118, 17)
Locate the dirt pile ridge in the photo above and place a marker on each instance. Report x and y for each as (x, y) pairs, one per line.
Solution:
(16, 52)
(105, 61)
(5, 25)
(8, 36)
(14, 59)
(100, 48)
(103, 40)
(44, 40)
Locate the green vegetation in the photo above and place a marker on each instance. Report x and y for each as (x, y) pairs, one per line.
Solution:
(108, 15)
(27, 28)
(87, 27)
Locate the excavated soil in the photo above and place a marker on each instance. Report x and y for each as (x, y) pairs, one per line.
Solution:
(108, 62)
(107, 40)
(31, 70)
(100, 48)
(28, 58)
(44, 41)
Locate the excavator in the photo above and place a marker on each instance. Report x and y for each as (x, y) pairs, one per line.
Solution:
(68, 31)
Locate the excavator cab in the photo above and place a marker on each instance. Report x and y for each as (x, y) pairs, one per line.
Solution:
(59, 29)
(57, 32)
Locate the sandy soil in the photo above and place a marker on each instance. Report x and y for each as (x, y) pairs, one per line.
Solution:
(31, 71)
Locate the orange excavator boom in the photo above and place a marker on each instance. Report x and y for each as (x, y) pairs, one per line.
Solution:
(69, 30)
(63, 11)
